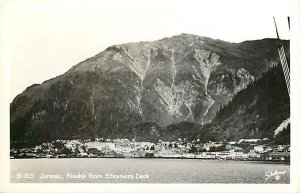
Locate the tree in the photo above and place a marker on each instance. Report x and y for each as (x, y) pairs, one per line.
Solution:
(193, 149)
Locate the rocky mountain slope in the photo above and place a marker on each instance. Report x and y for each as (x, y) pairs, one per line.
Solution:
(172, 80)
(255, 112)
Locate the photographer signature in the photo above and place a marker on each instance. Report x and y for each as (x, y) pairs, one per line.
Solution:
(275, 174)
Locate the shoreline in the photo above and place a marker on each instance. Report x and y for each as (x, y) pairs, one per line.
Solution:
(168, 158)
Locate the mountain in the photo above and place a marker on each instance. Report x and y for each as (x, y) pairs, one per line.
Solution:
(255, 112)
(184, 78)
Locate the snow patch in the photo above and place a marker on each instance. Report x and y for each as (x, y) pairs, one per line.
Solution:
(282, 126)
(207, 110)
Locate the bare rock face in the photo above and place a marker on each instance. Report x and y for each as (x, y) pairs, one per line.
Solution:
(182, 78)
(255, 112)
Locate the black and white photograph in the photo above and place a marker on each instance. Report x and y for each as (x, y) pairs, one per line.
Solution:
(149, 96)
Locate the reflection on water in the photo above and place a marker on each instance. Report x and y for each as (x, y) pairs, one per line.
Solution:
(106, 170)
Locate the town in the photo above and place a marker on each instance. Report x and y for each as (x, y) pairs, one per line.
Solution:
(244, 149)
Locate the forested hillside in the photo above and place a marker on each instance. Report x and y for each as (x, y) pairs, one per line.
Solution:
(256, 111)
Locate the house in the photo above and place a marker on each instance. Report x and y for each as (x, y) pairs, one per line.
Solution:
(253, 141)
(269, 149)
(97, 145)
(207, 146)
(26, 155)
(259, 148)
(217, 145)
(82, 154)
(281, 148)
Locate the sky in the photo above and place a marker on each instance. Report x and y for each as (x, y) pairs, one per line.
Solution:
(42, 39)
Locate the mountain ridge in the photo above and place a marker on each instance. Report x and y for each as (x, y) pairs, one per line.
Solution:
(180, 78)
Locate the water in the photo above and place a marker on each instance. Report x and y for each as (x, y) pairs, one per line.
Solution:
(113, 170)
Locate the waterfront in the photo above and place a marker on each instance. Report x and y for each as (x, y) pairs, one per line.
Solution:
(123, 170)
(244, 149)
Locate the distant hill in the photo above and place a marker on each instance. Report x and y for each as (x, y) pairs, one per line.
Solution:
(134, 89)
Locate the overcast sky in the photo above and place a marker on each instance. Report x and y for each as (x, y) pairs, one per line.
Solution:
(44, 38)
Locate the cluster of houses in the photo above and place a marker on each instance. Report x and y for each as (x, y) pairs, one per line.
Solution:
(244, 149)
